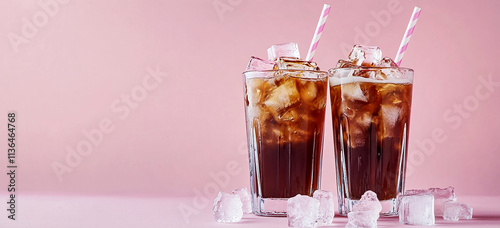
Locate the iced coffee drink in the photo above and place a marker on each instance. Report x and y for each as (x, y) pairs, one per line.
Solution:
(371, 104)
(285, 101)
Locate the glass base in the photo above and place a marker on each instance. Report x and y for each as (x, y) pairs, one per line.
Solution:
(269, 206)
(389, 207)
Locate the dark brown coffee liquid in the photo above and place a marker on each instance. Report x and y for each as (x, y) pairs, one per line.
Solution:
(285, 135)
(289, 168)
(370, 137)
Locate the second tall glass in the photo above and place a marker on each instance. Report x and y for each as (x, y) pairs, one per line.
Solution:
(371, 119)
(285, 112)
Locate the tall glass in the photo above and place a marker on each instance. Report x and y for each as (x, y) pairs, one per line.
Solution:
(371, 118)
(285, 112)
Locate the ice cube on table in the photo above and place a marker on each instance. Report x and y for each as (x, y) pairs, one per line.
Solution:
(416, 209)
(283, 50)
(227, 208)
(368, 202)
(369, 56)
(245, 199)
(326, 206)
(366, 212)
(258, 64)
(285, 63)
(302, 211)
(441, 195)
(284, 96)
(454, 211)
(358, 219)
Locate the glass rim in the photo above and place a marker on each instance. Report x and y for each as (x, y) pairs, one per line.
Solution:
(290, 70)
(370, 68)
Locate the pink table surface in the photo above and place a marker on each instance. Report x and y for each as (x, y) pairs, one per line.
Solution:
(106, 211)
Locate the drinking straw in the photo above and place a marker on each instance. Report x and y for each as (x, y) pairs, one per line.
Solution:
(317, 33)
(407, 36)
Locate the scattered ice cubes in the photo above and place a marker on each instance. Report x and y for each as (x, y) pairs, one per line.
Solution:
(352, 91)
(245, 198)
(227, 208)
(416, 209)
(368, 202)
(454, 211)
(302, 211)
(366, 212)
(326, 206)
(358, 219)
(284, 96)
(441, 195)
(283, 50)
(286, 63)
(258, 64)
(369, 56)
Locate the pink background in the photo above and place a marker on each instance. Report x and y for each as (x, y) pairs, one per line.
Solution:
(181, 135)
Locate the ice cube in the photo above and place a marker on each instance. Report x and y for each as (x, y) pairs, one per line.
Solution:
(390, 115)
(345, 64)
(368, 202)
(309, 95)
(319, 103)
(416, 209)
(387, 62)
(284, 96)
(326, 206)
(257, 64)
(289, 116)
(365, 55)
(302, 211)
(358, 219)
(352, 91)
(254, 88)
(387, 73)
(441, 195)
(365, 120)
(227, 208)
(285, 63)
(283, 50)
(365, 73)
(454, 211)
(366, 212)
(245, 199)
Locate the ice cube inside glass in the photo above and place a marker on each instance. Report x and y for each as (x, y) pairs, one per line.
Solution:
(285, 111)
(370, 117)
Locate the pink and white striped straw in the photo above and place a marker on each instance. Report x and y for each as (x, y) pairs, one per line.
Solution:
(406, 39)
(317, 33)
